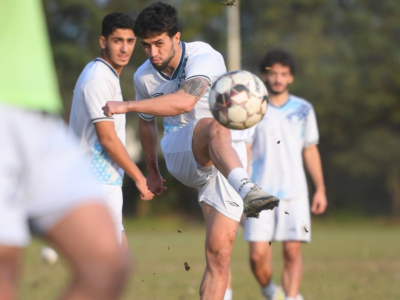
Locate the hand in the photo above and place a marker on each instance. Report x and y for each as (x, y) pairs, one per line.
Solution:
(319, 202)
(114, 107)
(145, 193)
(156, 183)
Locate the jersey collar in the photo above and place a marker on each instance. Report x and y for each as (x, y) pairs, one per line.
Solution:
(176, 71)
(283, 105)
(98, 59)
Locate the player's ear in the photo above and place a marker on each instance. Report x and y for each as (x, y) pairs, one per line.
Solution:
(177, 37)
(102, 41)
(291, 78)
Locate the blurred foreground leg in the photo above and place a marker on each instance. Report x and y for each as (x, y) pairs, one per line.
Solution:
(10, 261)
(87, 238)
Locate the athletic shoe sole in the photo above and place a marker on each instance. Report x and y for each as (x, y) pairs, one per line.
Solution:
(268, 206)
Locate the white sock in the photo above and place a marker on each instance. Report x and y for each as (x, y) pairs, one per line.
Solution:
(228, 294)
(269, 290)
(239, 180)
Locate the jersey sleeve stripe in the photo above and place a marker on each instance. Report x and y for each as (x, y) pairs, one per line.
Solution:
(195, 76)
(102, 119)
(146, 118)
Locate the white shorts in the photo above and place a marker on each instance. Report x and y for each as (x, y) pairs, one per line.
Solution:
(43, 175)
(114, 200)
(214, 187)
(288, 222)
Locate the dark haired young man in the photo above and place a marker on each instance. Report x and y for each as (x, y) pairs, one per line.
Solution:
(104, 137)
(174, 83)
(45, 181)
(283, 140)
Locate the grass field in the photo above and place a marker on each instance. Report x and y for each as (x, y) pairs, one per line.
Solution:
(346, 261)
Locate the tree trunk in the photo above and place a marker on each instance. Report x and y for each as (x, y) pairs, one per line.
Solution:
(394, 190)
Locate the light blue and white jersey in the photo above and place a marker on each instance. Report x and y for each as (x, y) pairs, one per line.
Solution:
(97, 84)
(277, 148)
(198, 59)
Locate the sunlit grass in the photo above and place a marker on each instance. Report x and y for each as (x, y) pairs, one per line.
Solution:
(345, 260)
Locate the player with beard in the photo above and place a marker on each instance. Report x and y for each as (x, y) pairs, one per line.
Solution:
(174, 83)
(286, 138)
(103, 138)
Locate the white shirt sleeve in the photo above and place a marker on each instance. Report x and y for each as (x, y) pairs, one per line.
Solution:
(96, 93)
(311, 135)
(207, 65)
(140, 95)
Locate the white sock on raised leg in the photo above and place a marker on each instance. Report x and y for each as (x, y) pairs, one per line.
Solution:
(239, 180)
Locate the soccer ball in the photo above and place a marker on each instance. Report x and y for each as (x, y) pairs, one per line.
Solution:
(238, 100)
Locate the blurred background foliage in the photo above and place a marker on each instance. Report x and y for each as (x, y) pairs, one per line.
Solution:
(348, 58)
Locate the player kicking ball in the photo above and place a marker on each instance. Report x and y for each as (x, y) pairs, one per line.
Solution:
(174, 83)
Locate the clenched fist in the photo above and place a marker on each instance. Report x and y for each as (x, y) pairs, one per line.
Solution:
(115, 107)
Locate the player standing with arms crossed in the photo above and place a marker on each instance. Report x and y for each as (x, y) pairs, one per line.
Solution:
(198, 151)
(103, 138)
(44, 179)
(286, 138)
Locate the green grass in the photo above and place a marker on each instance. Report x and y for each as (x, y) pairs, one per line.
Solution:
(345, 261)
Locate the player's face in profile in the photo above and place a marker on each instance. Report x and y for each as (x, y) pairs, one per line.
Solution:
(277, 78)
(119, 47)
(160, 49)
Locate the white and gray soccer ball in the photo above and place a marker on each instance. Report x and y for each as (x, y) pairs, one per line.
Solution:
(238, 100)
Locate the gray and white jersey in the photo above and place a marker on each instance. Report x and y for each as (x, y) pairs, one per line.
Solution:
(97, 84)
(277, 148)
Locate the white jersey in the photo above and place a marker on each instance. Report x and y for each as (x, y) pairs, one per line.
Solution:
(277, 148)
(198, 59)
(97, 84)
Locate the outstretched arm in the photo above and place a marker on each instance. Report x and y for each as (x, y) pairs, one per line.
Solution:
(180, 102)
(312, 161)
(149, 138)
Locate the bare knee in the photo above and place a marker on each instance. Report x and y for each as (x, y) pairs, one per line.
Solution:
(292, 252)
(218, 260)
(218, 132)
(258, 256)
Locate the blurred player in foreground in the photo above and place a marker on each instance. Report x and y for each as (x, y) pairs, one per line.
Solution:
(198, 151)
(286, 138)
(103, 138)
(44, 180)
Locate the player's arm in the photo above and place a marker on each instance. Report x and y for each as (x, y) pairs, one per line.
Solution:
(312, 161)
(116, 151)
(149, 139)
(180, 102)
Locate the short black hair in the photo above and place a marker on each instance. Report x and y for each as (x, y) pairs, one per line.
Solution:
(157, 19)
(115, 21)
(278, 55)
